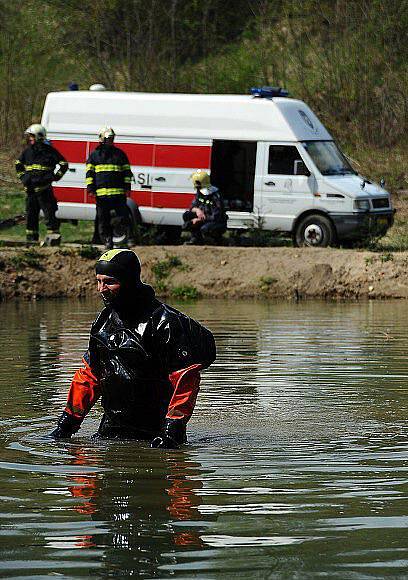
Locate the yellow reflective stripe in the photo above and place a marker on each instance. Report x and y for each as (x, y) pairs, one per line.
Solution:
(126, 167)
(17, 161)
(37, 168)
(109, 191)
(20, 173)
(107, 167)
(107, 256)
(90, 167)
(127, 179)
(89, 180)
(62, 162)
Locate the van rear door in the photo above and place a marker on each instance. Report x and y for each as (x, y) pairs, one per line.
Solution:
(285, 192)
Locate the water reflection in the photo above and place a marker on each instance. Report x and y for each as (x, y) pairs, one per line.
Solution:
(140, 504)
(297, 463)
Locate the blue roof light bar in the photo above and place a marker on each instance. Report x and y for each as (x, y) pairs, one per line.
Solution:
(269, 92)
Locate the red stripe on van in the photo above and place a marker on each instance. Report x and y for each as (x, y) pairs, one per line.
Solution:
(173, 200)
(195, 156)
(143, 154)
(73, 151)
(70, 194)
(138, 153)
(142, 198)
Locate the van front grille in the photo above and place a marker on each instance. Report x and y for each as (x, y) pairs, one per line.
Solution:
(380, 202)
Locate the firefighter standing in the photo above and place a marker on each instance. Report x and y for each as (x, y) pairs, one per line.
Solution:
(206, 219)
(108, 177)
(36, 169)
(144, 358)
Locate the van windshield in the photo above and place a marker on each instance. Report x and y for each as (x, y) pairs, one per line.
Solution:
(328, 158)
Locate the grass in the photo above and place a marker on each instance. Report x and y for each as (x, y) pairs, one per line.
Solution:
(185, 292)
(26, 258)
(373, 163)
(266, 282)
(13, 204)
(162, 270)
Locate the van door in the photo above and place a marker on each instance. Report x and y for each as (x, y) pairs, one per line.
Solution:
(285, 192)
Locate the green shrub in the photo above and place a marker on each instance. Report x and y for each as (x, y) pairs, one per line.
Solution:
(185, 293)
(27, 259)
(89, 252)
(161, 270)
(266, 282)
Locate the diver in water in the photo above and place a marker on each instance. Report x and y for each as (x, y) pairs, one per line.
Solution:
(144, 359)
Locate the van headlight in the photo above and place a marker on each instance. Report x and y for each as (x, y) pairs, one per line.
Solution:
(362, 204)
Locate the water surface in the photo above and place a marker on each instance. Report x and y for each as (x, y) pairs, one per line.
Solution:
(296, 465)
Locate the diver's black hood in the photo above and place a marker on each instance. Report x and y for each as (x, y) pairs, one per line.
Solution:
(134, 297)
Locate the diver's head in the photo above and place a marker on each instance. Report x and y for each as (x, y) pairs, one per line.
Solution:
(118, 276)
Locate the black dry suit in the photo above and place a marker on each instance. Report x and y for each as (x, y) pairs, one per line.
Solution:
(144, 358)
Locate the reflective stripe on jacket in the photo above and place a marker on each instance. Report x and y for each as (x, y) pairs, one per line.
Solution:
(108, 171)
(36, 166)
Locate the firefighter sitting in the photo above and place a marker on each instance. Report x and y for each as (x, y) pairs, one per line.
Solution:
(108, 177)
(36, 169)
(206, 219)
(144, 358)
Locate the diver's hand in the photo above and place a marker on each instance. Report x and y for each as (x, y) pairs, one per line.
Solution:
(164, 442)
(67, 425)
(173, 435)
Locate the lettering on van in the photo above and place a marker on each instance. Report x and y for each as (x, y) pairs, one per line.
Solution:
(144, 179)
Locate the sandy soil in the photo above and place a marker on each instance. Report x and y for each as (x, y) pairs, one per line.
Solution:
(224, 272)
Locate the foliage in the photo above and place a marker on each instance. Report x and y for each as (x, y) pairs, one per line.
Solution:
(185, 292)
(89, 252)
(26, 259)
(162, 270)
(265, 283)
(387, 257)
(348, 60)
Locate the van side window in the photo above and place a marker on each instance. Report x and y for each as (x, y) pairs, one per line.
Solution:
(282, 159)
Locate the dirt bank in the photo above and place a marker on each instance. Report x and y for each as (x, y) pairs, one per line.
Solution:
(213, 272)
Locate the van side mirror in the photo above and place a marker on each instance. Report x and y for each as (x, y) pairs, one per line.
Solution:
(299, 168)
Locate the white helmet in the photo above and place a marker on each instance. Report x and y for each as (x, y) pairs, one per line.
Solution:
(97, 87)
(106, 133)
(37, 131)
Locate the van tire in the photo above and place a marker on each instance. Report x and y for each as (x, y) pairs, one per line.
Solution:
(130, 236)
(315, 231)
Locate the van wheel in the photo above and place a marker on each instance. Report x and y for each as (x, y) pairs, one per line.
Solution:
(126, 234)
(315, 231)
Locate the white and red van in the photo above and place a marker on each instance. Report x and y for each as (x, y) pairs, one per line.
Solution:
(274, 162)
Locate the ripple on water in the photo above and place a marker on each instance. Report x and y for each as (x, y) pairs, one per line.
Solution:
(297, 463)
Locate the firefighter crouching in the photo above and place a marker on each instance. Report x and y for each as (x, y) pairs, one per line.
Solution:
(144, 358)
(108, 177)
(36, 169)
(206, 219)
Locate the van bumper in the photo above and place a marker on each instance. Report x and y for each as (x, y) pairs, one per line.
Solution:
(357, 226)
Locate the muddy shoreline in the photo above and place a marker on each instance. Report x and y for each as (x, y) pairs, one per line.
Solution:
(225, 272)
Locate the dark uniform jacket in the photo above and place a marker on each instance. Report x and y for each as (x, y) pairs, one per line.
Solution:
(146, 370)
(36, 167)
(212, 206)
(108, 171)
